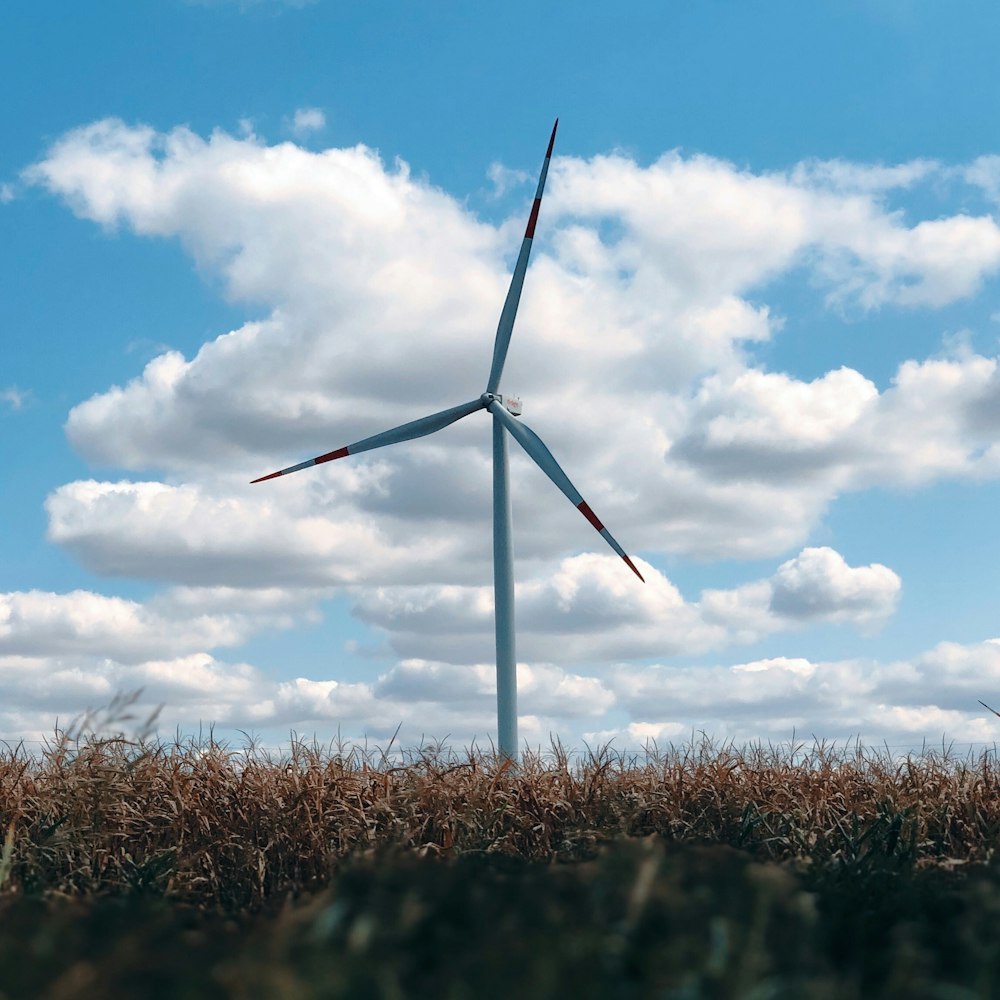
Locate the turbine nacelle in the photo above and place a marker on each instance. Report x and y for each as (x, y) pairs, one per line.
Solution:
(512, 404)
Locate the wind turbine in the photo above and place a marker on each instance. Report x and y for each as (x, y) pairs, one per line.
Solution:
(503, 409)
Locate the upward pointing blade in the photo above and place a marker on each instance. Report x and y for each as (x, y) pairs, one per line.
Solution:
(536, 448)
(506, 325)
(405, 432)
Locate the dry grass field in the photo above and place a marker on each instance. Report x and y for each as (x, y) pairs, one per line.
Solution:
(138, 867)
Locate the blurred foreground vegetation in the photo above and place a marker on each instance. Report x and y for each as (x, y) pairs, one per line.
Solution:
(138, 868)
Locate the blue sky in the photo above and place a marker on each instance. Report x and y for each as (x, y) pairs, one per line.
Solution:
(763, 308)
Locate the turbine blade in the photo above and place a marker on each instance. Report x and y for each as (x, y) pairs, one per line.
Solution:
(405, 432)
(506, 325)
(536, 448)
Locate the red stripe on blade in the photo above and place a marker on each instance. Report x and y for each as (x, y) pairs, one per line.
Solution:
(631, 566)
(331, 455)
(584, 509)
(529, 233)
(273, 475)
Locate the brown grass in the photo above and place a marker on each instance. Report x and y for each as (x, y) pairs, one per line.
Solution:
(232, 828)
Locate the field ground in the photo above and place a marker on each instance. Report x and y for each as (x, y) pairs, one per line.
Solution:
(136, 868)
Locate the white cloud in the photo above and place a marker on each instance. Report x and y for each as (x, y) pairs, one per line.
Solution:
(715, 229)
(903, 702)
(505, 179)
(543, 689)
(934, 695)
(842, 175)
(378, 295)
(938, 419)
(189, 535)
(590, 609)
(765, 425)
(585, 608)
(36, 623)
(14, 398)
(984, 173)
(428, 699)
(307, 120)
(7, 192)
(369, 327)
(819, 585)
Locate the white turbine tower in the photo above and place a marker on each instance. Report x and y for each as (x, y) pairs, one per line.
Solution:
(504, 410)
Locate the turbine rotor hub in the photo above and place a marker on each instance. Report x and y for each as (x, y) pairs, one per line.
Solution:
(512, 404)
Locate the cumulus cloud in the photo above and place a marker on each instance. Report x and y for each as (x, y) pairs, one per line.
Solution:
(905, 703)
(543, 689)
(376, 296)
(39, 623)
(679, 212)
(938, 419)
(842, 175)
(637, 306)
(422, 698)
(192, 536)
(819, 585)
(307, 120)
(505, 179)
(13, 397)
(983, 173)
(590, 610)
(41, 689)
(816, 586)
